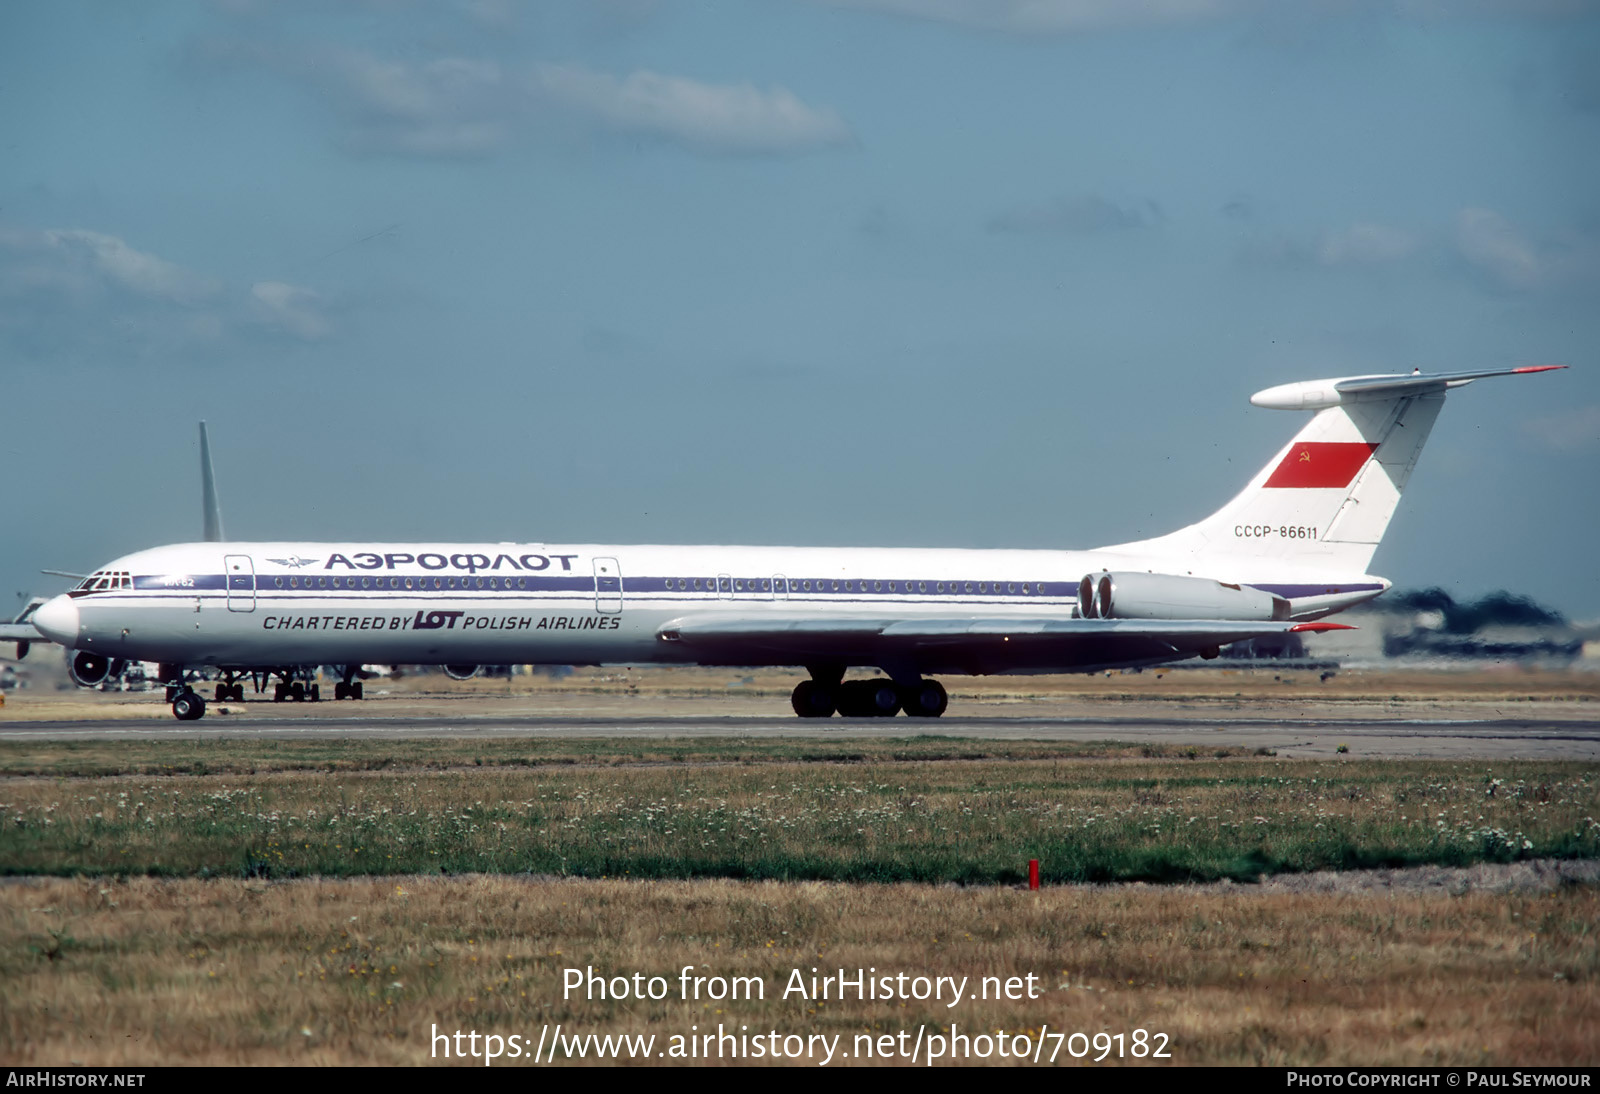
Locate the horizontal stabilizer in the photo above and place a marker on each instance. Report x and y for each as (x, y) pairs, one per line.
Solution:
(1321, 394)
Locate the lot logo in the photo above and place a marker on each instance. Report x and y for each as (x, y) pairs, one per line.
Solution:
(432, 621)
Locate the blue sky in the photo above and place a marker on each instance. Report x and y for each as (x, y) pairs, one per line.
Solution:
(873, 272)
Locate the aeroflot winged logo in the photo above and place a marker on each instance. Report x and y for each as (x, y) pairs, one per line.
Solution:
(294, 560)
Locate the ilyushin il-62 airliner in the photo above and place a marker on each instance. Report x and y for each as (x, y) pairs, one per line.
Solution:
(1292, 548)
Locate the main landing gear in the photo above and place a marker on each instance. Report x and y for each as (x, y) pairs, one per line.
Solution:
(879, 698)
(230, 690)
(349, 687)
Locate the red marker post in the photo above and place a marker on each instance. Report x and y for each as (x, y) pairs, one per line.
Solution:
(1033, 873)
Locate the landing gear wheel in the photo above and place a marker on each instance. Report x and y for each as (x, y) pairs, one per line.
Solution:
(188, 707)
(341, 690)
(316, 693)
(356, 690)
(924, 699)
(812, 700)
(868, 699)
(297, 691)
(280, 692)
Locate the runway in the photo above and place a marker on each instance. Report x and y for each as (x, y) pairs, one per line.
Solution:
(1390, 737)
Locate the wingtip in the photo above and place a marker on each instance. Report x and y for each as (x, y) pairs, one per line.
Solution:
(1538, 368)
(1317, 628)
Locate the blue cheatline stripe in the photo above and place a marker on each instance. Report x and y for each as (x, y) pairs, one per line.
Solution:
(655, 589)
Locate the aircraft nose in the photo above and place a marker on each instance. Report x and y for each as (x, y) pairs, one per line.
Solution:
(57, 620)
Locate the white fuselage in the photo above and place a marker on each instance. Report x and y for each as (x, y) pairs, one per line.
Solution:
(273, 604)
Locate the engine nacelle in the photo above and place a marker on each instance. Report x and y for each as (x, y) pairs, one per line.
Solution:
(461, 672)
(88, 670)
(1168, 596)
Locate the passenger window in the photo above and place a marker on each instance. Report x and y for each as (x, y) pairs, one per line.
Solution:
(969, 586)
(408, 583)
(277, 582)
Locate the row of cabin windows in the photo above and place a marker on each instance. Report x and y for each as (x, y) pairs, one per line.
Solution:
(402, 583)
(832, 585)
(682, 584)
(101, 580)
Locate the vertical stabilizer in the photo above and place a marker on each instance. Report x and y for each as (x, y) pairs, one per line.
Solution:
(208, 491)
(1323, 502)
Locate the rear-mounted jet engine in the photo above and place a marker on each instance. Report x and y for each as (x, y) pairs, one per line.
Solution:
(1168, 596)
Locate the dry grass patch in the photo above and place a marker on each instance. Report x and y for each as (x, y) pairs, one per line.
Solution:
(162, 971)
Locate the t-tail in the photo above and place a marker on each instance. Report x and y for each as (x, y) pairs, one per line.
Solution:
(1315, 514)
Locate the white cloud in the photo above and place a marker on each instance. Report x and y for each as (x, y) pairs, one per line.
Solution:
(1488, 241)
(713, 117)
(292, 309)
(77, 260)
(449, 106)
(1056, 16)
(1569, 431)
(70, 290)
(458, 106)
(1367, 244)
(1071, 16)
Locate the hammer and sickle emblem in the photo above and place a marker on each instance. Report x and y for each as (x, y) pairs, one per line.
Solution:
(1305, 455)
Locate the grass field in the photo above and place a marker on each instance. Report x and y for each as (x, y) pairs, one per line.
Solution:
(929, 810)
(325, 901)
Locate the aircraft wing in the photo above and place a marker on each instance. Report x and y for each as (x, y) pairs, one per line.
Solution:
(21, 629)
(978, 645)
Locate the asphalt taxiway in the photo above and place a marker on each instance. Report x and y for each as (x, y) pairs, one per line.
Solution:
(1387, 737)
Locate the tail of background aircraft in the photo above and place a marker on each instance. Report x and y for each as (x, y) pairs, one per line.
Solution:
(1323, 502)
(208, 491)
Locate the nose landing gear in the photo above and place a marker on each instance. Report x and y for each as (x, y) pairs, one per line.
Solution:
(187, 706)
